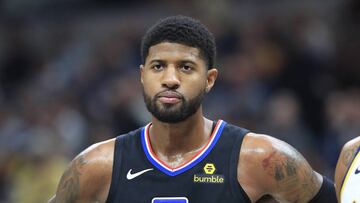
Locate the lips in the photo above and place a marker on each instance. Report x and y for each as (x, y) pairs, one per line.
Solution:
(169, 97)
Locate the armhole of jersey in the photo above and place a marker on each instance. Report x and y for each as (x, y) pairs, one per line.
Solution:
(235, 186)
(116, 169)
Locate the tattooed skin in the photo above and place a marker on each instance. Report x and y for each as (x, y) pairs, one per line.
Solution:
(345, 160)
(280, 165)
(349, 155)
(294, 178)
(69, 186)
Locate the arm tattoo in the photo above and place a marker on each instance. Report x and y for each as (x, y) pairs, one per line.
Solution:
(279, 165)
(69, 186)
(294, 178)
(279, 173)
(349, 155)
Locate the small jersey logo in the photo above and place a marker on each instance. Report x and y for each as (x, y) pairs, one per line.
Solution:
(208, 176)
(169, 200)
(131, 176)
(209, 168)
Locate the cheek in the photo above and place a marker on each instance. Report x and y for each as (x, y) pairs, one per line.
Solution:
(148, 85)
(194, 87)
(149, 89)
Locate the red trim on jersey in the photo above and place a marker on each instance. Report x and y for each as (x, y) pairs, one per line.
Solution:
(148, 145)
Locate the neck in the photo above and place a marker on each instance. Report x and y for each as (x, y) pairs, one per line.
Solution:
(171, 142)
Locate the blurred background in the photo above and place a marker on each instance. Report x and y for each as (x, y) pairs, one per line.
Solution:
(69, 78)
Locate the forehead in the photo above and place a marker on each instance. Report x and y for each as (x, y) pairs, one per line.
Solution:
(173, 51)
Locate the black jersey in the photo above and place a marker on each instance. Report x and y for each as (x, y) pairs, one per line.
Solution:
(209, 177)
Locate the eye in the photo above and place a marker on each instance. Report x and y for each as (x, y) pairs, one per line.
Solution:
(157, 67)
(186, 68)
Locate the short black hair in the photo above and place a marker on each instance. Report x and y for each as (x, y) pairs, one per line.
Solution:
(183, 30)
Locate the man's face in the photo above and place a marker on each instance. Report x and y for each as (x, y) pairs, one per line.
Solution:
(175, 79)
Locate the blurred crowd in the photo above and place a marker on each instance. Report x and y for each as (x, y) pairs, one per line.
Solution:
(69, 78)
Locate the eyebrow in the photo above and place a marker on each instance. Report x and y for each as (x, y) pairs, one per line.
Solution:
(187, 61)
(179, 62)
(156, 60)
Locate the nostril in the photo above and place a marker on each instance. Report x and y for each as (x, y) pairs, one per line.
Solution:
(171, 85)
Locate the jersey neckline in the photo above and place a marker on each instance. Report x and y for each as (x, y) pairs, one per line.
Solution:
(162, 166)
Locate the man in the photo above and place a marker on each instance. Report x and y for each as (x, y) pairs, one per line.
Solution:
(347, 173)
(181, 156)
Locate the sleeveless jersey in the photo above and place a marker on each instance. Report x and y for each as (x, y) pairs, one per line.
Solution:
(350, 190)
(210, 176)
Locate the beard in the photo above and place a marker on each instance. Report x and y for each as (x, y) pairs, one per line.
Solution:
(173, 113)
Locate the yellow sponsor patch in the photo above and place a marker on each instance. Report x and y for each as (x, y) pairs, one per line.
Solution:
(209, 176)
(209, 168)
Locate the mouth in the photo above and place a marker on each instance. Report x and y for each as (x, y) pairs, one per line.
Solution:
(169, 97)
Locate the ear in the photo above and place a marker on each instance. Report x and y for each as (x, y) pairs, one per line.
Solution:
(142, 73)
(211, 78)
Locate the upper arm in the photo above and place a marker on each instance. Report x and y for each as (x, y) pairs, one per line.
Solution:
(345, 159)
(87, 178)
(73, 177)
(269, 166)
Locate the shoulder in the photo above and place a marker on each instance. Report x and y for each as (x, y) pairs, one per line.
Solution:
(96, 161)
(353, 144)
(349, 150)
(269, 166)
(99, 152)
(347, 154)
(263, 152)
(265, 148)
(260, 158)
(96, 158)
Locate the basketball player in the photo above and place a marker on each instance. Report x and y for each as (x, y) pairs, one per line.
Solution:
(347, 173)
(181, 156)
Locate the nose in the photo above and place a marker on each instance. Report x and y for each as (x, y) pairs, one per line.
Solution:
(170, 78)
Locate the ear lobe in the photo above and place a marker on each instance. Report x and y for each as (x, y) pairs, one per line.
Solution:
(207, 89)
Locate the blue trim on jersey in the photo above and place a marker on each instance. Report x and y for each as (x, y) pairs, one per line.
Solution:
(192, 164)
